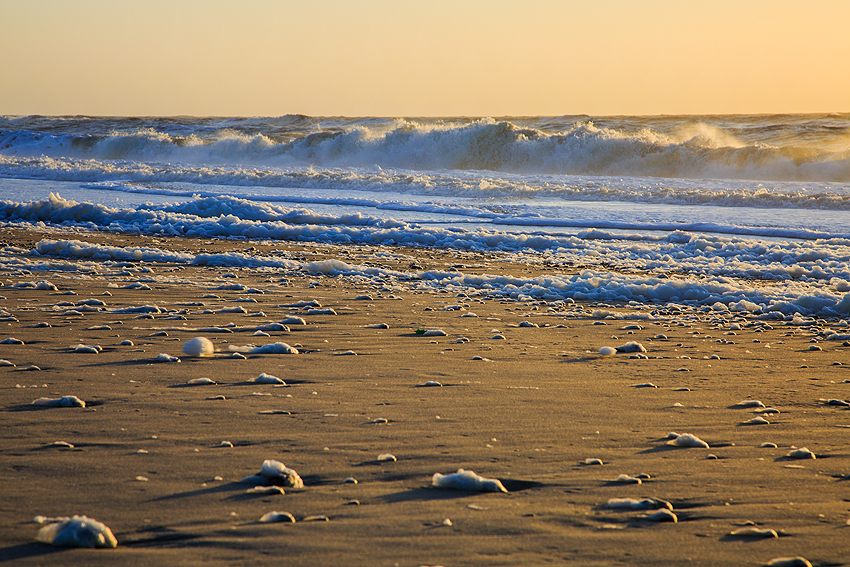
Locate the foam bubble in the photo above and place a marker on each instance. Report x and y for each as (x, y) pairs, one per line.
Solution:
(199, 346)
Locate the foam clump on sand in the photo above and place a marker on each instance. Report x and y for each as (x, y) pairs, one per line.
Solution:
(467, 480)
(266, 490)
(199, 346)
(662, 515)
(688, 440)
(631, 346)
(634, 504)
(88, 349)
(607, 351)
(626, 479)
(789, 562)
(325, 311)
(273, 517)
(275, 473)
(63, 402)
(273, 327)
(434, 333)
(802, 453)
(274, 348)
(268, 379)
(755, 533)
(302, 304)
(79, 531)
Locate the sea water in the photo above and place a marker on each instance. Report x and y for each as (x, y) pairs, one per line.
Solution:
(744, 212)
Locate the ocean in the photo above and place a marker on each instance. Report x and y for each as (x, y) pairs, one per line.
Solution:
(747, 213)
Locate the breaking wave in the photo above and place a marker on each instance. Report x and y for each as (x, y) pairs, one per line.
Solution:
(805, 150)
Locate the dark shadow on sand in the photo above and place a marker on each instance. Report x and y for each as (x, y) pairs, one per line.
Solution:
(748, 538)
(226, 487)
(664, 448)
(434, 493)
(375, 462)
(158, 535)
(31, 407)
(241, 487)
(787, 459)
(31, 550)
(137, 362)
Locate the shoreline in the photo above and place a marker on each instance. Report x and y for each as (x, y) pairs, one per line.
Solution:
(528, 409)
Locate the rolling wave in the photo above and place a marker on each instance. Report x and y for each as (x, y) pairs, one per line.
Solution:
(135, 177)
(801, 150)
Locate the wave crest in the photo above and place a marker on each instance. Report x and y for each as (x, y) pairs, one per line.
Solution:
(581, 147)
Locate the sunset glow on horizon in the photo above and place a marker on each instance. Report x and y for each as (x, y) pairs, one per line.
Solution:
(437, 58)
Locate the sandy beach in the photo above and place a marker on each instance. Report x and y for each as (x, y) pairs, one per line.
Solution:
(512, 390)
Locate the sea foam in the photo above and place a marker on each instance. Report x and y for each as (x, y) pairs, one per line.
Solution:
(77, 531)
(467, 480)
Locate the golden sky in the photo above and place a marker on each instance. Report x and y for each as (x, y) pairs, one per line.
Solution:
(423, 57)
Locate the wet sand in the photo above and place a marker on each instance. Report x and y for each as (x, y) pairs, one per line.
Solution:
(529, 409)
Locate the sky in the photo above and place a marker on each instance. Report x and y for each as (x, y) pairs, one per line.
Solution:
(423, 57)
